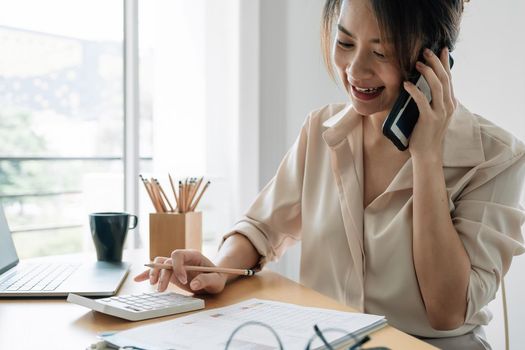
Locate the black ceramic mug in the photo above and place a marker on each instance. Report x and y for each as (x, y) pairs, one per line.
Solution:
(109, 232)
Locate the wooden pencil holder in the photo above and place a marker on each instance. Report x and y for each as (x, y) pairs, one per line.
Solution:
(170, 231)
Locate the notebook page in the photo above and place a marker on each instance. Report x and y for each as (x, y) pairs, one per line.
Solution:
(211, 328)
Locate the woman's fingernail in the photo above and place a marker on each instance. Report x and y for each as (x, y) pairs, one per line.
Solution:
(427, 52)
(183, 279)
(195, 285)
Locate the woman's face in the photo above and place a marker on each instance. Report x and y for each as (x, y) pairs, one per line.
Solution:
(365, 65)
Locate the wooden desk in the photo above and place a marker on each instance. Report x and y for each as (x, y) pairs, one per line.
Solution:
(57, 324)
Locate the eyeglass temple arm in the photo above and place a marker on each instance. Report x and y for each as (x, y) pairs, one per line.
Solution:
(360, 342)
(321, 336)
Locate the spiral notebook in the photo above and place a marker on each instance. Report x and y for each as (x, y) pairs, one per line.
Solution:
(211, 329)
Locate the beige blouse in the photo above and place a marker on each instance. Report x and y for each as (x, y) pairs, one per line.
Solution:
(363, 256)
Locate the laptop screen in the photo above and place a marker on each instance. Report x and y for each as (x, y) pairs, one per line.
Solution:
(8, 256)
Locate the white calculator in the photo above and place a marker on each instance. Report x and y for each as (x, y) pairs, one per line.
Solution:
(136, 307)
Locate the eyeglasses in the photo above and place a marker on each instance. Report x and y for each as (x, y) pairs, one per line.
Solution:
(357, 342)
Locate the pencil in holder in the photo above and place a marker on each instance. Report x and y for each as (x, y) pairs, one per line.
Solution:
(170, 231)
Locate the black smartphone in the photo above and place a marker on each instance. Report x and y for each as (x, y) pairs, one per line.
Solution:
(402, 119)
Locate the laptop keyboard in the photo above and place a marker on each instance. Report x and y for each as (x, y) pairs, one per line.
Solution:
(38, 277)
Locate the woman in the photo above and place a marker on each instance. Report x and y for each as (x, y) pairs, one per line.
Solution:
(422, 236)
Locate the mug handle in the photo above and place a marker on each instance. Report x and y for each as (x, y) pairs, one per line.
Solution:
(136, 220)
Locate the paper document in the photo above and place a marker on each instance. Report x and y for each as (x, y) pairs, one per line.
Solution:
(211, 329)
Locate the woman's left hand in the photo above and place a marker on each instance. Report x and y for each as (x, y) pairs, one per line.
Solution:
(434, 117)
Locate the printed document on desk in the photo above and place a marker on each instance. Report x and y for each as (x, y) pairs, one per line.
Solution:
(211, 329)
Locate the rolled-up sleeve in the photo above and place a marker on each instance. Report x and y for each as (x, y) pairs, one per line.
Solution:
(489, 219)
(273, 221)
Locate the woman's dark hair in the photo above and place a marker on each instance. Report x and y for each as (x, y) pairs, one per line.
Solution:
(409, 25)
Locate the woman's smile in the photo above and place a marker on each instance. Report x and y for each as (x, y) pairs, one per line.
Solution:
(366, 94)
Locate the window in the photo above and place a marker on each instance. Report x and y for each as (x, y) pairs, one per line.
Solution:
(61, 119)
(62, 114)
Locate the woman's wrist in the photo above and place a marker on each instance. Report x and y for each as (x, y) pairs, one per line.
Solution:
(427, 159)
(236, 252)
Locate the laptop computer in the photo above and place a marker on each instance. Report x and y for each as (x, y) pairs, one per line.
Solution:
(54, 276)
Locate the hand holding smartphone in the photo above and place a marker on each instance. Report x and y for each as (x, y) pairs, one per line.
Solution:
(401, 120)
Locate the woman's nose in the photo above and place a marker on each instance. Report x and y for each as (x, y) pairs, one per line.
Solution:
(358, 68)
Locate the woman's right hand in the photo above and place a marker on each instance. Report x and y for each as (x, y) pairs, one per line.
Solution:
(192, 281)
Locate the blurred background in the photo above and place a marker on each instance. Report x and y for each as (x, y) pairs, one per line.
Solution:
(221, 90)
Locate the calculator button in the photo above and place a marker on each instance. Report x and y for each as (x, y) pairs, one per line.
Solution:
(132, 308)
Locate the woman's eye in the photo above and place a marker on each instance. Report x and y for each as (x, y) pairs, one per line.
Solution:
(344, 45)
(379, 54)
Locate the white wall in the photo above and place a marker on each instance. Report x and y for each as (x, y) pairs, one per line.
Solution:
(488, 78)
(293, 82)
(206, 102)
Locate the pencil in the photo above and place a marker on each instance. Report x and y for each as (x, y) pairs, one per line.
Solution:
(241, 272)
(158, 209)
(158, 196)
(174, 193)
(145, 182)
(181, 198)
(164, 194)
(185, 188)
(152, 194)
(199, 197)
(194, 191)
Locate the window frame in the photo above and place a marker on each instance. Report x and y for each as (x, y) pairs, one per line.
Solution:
(131, 112)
